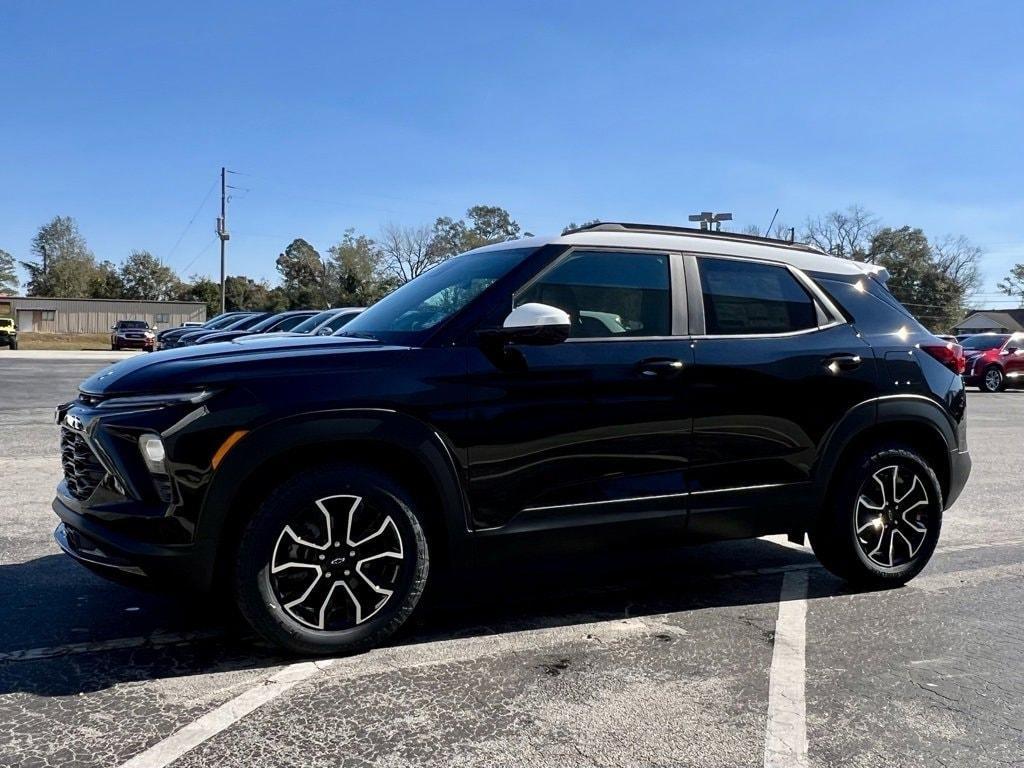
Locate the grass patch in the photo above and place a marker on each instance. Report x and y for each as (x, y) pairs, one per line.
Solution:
(75, 341)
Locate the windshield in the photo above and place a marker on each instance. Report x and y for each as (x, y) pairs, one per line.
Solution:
(223, 321)
(280, 322)
(984, 341)
(133, 324)
(310, 323)
(247, 322)
(435, 295)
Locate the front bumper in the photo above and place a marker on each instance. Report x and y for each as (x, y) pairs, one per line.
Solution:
(134, 343)
(121, 558)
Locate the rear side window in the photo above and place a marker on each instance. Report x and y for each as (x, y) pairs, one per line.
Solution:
(744, 297)
(608, 294)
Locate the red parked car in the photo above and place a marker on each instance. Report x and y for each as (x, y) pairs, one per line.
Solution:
(132, 334)
(995, 361)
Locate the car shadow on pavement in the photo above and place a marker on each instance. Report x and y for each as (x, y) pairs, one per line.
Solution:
(74, 623)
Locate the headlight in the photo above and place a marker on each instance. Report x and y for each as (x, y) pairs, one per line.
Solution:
(155, 401)
(152, 449)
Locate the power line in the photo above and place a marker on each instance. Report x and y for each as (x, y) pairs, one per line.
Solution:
(190, 221)
(196, 257)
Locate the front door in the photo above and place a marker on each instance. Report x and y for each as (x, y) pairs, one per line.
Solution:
(594, 428)
(773, 372)
(25, 320)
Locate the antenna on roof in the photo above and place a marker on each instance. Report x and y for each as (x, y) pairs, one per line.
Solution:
(707, 219)
(768, 231)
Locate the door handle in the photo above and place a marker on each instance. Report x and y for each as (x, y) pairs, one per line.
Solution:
(659, 366)
(836, 363)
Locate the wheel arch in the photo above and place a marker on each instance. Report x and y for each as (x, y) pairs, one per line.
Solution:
(403, 446)
(914, 421)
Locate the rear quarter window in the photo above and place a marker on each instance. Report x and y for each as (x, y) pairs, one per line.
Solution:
(871, 307)
(748, 298)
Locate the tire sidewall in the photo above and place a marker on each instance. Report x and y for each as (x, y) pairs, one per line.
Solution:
(905, 460)
(984, 379)
(252, 582)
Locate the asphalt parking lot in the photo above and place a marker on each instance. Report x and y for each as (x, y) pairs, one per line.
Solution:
(733, 654)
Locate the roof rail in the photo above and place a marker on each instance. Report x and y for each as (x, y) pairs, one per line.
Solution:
(625, 226)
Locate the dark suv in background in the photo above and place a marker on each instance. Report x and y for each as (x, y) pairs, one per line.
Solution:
(132, 334)
(719, 386)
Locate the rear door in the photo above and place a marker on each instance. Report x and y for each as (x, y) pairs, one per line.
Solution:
(1013, 357)
(776, 366)
(597, 427)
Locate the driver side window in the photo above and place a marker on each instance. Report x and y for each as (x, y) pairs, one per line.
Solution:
(608, 294)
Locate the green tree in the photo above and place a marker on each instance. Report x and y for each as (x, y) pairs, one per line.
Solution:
(201, 288)
(146, 277)
(353, 272)
(915, 277)
(1013, 283)
(64, 266)
(302, 275)
(241, 292)
(482, 225)
(8, 277)
(106, 282)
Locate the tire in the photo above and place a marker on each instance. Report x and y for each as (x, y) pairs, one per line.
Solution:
(13, 345)
(992, 380)
(863, 536)
(114, 348)
(281, 580)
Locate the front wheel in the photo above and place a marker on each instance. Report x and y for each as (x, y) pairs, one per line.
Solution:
(13, 345)
(334, 561)
(993, 380)
(882, 521)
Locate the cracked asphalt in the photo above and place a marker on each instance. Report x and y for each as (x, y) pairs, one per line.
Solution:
(566, 658)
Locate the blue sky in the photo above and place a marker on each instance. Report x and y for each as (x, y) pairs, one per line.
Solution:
(345, 115)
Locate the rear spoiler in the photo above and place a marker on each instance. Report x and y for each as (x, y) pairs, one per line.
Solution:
(881, 274)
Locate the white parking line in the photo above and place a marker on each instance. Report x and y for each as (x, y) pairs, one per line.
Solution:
(785, 743)
(209, 725)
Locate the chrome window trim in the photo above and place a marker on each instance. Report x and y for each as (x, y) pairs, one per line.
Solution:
(822, 303)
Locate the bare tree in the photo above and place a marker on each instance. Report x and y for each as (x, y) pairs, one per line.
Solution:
(406, 252)
(846, 234)
(959, 259)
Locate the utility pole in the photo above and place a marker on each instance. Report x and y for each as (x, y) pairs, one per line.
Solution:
(222, 231)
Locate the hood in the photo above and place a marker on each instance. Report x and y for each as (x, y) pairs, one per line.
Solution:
(229, 363)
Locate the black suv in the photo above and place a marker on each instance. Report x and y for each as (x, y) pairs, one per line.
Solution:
(726, 385)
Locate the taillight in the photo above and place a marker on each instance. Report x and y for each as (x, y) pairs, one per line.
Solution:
(949, 354)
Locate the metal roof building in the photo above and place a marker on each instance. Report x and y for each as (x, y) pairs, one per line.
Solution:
(50, 315)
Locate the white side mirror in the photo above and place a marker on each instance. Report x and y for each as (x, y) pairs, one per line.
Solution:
(534, 315)
(537, 324)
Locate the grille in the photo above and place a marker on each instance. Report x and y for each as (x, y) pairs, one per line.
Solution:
(82, 470)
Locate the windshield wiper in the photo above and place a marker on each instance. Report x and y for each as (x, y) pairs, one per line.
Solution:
(359, 335)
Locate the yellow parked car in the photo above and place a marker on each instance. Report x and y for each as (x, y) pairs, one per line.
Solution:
(8, 333)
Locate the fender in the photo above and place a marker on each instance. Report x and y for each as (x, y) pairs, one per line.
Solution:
(379, 426)
(880, 410)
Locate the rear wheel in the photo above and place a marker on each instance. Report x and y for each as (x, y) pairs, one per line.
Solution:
(993, 380)
(882, 521)
(334, 561)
